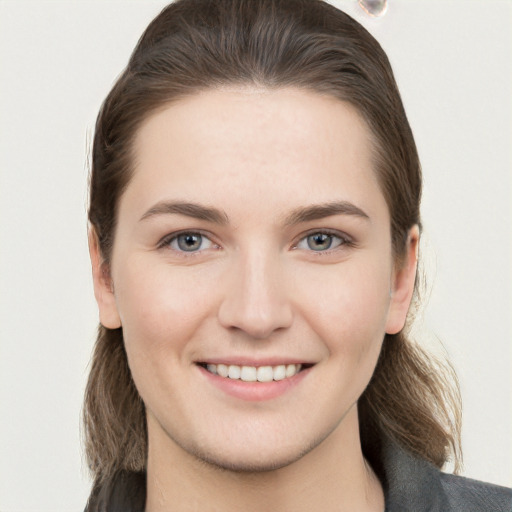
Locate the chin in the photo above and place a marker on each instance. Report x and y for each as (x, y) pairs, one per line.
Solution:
(248, 464)
(255, 459)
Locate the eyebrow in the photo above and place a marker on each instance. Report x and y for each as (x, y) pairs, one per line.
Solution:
(302, 214)
(320, 211)
(193, 210)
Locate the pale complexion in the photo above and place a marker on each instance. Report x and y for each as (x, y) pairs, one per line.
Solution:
(285, 258)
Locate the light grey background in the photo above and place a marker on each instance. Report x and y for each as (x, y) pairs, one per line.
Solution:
(58, 59)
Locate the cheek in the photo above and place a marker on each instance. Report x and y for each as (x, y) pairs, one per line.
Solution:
(160, 306)
(349, 310)
(161, 310)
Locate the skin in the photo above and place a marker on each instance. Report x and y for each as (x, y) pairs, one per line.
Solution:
(254, 290)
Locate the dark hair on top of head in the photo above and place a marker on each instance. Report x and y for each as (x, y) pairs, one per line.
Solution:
(194, 45)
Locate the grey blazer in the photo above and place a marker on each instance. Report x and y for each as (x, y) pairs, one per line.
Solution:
(414, 485)
(410, 485)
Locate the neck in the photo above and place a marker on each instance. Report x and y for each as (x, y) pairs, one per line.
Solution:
(332, 477)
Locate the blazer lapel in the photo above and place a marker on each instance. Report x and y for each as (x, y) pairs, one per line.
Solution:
(410, 483)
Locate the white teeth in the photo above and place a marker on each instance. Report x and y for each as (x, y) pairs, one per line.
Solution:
(248, 374)
(291, 370)
(253, 373)
(265, 374)
(280, 372)
(234, 371)
(222, 370)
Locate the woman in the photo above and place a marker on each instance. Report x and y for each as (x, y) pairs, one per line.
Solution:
(255, 222)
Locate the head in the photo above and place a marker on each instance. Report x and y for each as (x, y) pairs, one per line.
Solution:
(229, 60)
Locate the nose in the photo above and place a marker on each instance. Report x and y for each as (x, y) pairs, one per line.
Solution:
(255, 299)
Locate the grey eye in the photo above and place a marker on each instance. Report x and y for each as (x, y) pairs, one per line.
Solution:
(320, 242)
(190, 242)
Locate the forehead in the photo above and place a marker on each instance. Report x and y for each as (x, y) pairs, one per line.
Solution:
(268, 147)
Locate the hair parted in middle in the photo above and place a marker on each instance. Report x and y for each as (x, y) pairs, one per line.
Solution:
(196, 45)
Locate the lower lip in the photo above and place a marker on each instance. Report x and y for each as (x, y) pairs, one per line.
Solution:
(254, 391)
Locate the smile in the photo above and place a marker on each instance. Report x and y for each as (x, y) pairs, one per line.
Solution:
(254, 373)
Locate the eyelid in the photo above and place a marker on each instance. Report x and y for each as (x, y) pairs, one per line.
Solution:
(164, 242)
(346, 240)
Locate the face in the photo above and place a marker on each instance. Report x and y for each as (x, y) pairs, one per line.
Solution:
(252, 274)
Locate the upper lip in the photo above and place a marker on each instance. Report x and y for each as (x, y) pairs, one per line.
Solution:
(247, 361)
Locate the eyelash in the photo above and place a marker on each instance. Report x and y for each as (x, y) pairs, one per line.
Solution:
(165, 243)
(345, 241)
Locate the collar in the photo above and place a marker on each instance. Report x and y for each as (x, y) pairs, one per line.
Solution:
(410, 483)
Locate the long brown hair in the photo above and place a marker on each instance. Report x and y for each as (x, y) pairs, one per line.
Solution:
(193, 45)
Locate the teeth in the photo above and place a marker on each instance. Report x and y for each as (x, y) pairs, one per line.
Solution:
(254, 373)
(249, 374)
(280, 372)
(265, 374)
(290, 370)
(234, 371)
(222, 370)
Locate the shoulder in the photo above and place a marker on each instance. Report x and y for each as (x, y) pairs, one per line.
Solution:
(475, 496)
(125, 491)
(411, 484)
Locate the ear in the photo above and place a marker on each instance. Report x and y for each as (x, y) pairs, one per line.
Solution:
(402, 285)
(103, 288)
